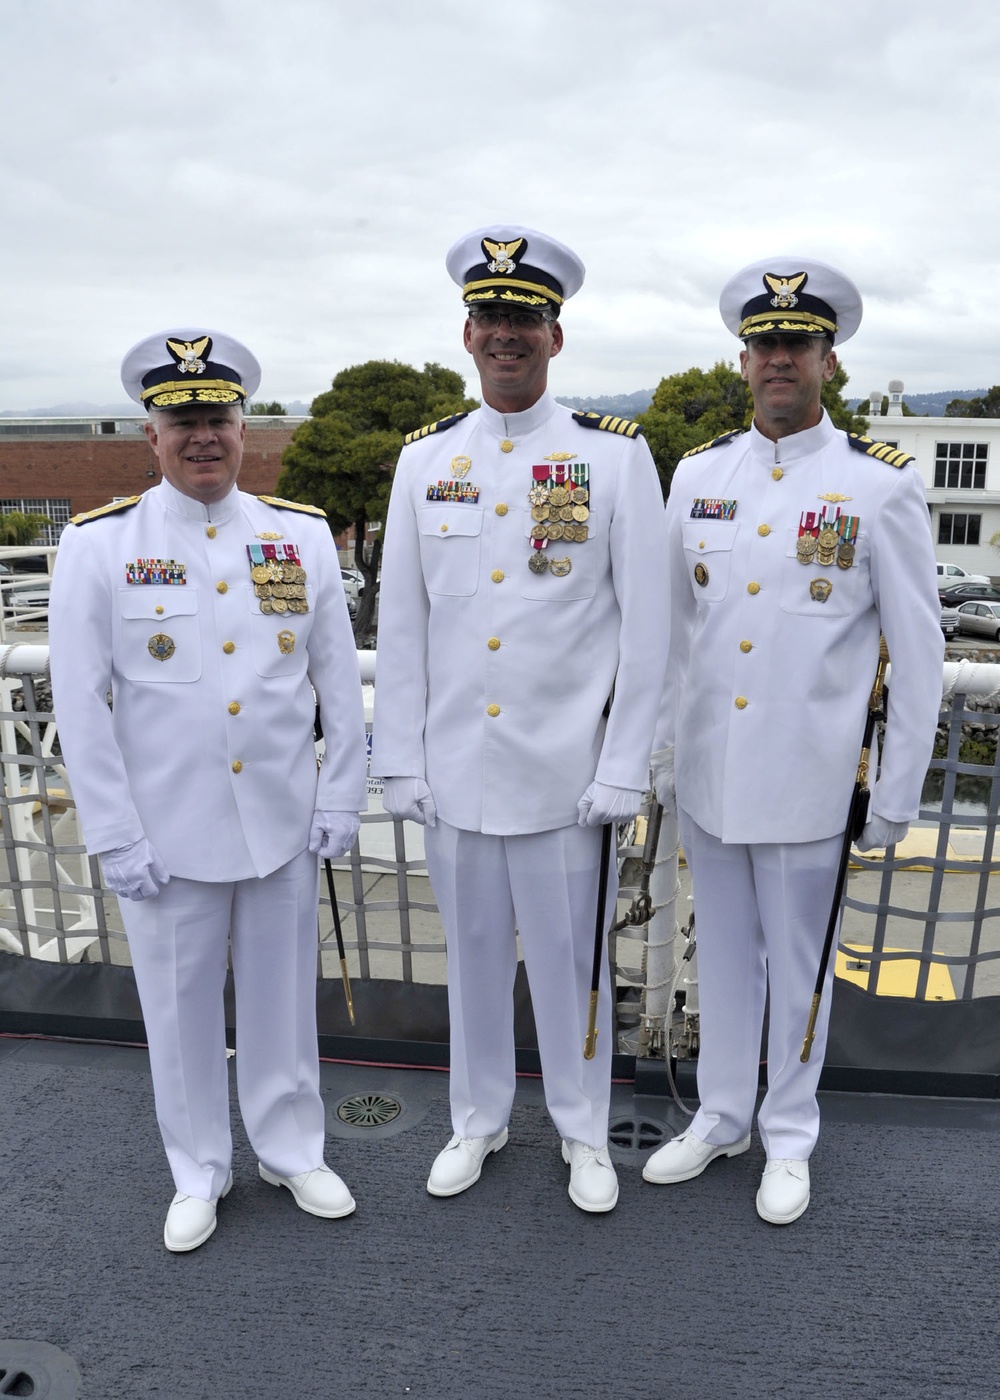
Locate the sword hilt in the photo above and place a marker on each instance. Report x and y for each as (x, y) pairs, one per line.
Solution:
(807, 1044)
(590, 1044)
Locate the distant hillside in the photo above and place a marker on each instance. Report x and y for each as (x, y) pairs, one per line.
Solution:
(931, 405)
(625, 405)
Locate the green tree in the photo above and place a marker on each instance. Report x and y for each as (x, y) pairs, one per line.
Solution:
(343, 457)
(274, 409)
(986, 407)
(20, 528)
(698, 405)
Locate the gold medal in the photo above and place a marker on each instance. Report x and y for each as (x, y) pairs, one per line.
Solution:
(826, 547)
(845, 555)
(581, 496)
(581, 513)
(262, 590)
(538, 495)
(556, 529)
(540, 532)
(805, 549)
(288, 573)
(260, 573)
(279, 605)
(558, 495)
(539, 512)
(266, 606)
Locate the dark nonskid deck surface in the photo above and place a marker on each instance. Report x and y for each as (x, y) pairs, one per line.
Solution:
(886, 1287)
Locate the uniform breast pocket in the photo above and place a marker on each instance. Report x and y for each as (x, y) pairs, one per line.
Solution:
(708, 551)
(825, 590)
(278, 639)
(450, 548)
(157, 637)
(572, 566)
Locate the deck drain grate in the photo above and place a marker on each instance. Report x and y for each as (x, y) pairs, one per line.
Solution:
(637, 1134)
(369, 1110)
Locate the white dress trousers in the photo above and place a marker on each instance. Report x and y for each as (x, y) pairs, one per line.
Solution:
(761, 913)
(178, 942)
(545, 886)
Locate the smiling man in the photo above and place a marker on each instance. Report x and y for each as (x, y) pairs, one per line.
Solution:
(792, 546)
(216, 620)
(520, 655)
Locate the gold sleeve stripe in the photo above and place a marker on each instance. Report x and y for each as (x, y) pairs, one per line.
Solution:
(608, 423)
(882, 450)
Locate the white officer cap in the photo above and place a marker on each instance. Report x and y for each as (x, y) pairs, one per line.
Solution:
(181, 367)
(784, 295)
(518, 266)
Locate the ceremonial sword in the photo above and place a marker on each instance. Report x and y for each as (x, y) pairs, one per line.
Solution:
(341, 953)
(856, 818)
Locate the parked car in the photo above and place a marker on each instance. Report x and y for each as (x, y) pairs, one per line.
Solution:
(954, 573)
(957, 593)
(353, 581)
(25, 600)
(949, 620)
(980, 620)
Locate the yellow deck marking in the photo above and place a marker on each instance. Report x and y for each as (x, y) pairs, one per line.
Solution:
(896, 978)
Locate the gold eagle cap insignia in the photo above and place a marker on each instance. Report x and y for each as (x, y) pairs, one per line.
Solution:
(503, 254)
(834, 497)
(784, 288)
(188, 354)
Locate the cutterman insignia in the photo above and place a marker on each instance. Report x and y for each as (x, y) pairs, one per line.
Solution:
(608, 423)
(292, 505)
(881, 450)
(714, 442)
(441, 426)
(110, 509)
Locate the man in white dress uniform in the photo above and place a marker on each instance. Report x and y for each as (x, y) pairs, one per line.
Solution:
(792, 546)
(211, 617)
(520, 631)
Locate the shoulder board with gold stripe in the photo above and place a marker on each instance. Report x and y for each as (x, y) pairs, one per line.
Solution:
(292, 505)
(714, 442)
(110, 509)
(441, 426)
(608, 423)
(881, 450)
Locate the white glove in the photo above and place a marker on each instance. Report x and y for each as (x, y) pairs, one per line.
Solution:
(878, 833)
(661, 771)
(332, 833)
(134, 871)
(409, 799)
(600, 805)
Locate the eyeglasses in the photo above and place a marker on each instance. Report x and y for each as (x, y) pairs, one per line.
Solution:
(517, 320)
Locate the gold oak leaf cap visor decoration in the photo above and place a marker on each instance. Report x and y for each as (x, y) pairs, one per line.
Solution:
(517, 266)
(189, 366)
(791, 296)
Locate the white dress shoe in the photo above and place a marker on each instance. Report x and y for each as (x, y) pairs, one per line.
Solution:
(784, 1191)
(319, 1192)
(687, 1156)
(593, 1184)
(459, 1165)
(190, 1220)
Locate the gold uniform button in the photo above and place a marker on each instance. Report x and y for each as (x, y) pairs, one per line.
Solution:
(497, 575)
(211, 532)
(443, 528)
(229, 648)
(222, 586)
(494, 644)
(500, 508)
(741, 702)
(777, 473)
(159, 607)
(492, 711)
(234, 708)
(506, 445)
(746, 646)
(763, 529)
(753, 587)
(237, 766)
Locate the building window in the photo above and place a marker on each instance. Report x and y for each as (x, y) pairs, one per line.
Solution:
(959, 529)
(961, 465)
(57, 511)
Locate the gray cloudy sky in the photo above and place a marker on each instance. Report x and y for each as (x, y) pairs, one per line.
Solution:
(293, 173)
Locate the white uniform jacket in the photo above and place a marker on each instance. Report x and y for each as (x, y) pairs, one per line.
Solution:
(209, 748)
(494, 681)
(772, 660)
